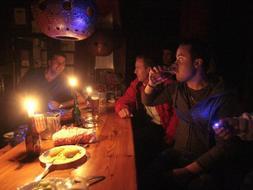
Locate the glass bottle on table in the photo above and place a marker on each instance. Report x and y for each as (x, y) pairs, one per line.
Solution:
(32, 140)
(76, 113)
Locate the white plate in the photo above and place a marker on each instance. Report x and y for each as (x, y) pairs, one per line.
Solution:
(63, 154)
(77, 183)
(55, 183)
(9, 135)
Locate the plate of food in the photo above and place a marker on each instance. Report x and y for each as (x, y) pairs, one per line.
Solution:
(51, 183)
(71, 183)
(8, 136)
(61, 155)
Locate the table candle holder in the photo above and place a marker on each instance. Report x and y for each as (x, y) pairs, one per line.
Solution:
(32, 140)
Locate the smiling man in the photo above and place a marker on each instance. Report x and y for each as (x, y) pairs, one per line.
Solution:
(48, 84)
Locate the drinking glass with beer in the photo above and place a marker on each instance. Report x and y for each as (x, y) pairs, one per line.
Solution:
(95, 104)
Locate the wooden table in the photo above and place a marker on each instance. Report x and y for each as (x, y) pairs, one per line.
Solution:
(112, 157)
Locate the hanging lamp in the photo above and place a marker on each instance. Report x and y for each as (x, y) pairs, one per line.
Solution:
(71, 20)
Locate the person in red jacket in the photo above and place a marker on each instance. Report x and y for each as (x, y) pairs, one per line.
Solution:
(153, 126)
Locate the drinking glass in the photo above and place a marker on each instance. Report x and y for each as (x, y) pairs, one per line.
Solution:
(19, 135)
(102, 102)
(52, 124)
(95, 104)
(166, 72)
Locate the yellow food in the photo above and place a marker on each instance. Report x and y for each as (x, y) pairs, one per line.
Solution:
(63, 154)
(55, 152)
(60, 155)
(70, 153)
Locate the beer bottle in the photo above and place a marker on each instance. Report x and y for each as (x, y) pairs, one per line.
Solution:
(32, 140)
(76, 113)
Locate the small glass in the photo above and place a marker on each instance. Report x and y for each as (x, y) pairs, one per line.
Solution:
(15, 137)
(39, 122)
(164, 74)
(102, 102)
(95, 105)
(96, 129)
(52, 124)
(92, 122)
(102, 98)
(89, 118)
(20, 134)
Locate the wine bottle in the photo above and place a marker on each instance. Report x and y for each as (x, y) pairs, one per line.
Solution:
(32, 140)
(76, 113)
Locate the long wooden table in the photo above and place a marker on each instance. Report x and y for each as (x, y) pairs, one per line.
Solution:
(112, 157)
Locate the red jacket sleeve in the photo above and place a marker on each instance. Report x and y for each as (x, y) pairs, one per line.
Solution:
(168, 117)
(128, 100)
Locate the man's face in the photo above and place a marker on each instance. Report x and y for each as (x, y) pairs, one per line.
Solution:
(185, 68)
(141, 70)
(57, 64)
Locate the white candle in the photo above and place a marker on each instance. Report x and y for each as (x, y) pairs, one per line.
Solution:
(89, 90)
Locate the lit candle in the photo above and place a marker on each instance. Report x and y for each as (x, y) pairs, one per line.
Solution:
(89, 90)
(35, 119)
(30, 106)
(73, 82)
(32, 140)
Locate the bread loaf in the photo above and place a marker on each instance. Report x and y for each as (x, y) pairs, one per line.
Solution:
(74, 135)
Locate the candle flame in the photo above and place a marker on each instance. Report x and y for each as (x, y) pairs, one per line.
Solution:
(89, 90)
(30, 106)
(73, 81)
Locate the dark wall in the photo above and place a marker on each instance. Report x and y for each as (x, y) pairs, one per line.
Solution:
(232, 39)
(148, 25)
(226, 25)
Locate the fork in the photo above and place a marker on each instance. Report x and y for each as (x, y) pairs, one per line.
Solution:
(45, 171)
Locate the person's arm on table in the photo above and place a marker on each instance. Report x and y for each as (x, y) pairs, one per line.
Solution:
(55, 105)
(125, 105)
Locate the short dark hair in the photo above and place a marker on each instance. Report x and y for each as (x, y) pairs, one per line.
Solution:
(56, 53)
(169, 46)
(148, 60)
(199, 49)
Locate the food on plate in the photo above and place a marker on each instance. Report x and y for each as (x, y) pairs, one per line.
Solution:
(55, 152)
(63, 154)
(71, 152)
(44, 185)
(47, 184)
(74, 135)
(9, 135)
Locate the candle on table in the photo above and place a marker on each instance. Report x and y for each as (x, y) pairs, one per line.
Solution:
(32, 140)
(30, 106)
(73, 81)
(89, 90)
